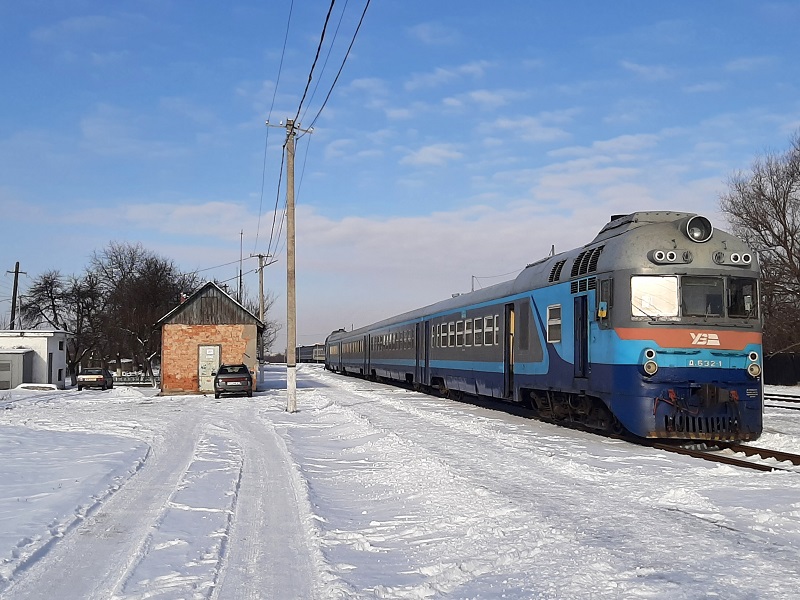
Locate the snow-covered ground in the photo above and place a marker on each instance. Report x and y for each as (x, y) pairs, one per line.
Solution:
(370, 491)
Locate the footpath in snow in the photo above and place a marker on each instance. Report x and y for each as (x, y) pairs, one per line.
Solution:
(370, 491)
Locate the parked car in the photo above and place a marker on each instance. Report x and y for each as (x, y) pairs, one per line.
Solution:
(95, 377)
(233, 379)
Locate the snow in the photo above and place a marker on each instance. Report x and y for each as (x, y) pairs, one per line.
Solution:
(370, 491)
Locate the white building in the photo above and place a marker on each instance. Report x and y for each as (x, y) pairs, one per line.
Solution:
(49, 363)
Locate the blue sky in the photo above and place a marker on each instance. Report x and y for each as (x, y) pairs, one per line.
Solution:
(462, 139)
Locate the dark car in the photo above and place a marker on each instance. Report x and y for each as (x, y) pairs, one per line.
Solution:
(233, 379)
(95, 377)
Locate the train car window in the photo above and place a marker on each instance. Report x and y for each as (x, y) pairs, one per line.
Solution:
(459, 334)
(701, 296)
(497, 330)
(451, 340)
(468, 333)
(654, 296)
(488, 331)
(443, 339)
(742, 298)
(479, 331)
(554, 323)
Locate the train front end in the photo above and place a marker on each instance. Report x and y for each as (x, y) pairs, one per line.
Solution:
(688, 354)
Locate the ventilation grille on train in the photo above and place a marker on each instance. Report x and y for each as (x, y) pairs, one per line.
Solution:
(688, 424)
(583, 285)
(555, 272)
(586, 262)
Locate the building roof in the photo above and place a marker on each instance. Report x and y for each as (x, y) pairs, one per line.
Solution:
(33, 332)
(186, 312)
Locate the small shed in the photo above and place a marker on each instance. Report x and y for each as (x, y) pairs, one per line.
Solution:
(46, 364)
(16, 367)
(206, 330)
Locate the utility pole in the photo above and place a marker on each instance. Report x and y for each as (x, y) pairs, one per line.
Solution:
(241, 245)
(291, 298)
(262, 258)
(16, 272)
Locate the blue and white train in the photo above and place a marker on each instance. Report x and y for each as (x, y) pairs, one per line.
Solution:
(652, 328)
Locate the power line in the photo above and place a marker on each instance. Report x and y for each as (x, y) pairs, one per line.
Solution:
(269, 116)
(327, 56)
(313, 64)
(347, 54)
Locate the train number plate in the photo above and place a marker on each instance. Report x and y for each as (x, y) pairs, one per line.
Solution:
(704, 363)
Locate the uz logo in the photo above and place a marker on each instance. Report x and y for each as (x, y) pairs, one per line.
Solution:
(704, 339)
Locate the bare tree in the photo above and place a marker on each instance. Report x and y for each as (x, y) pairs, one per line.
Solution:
(140, 287)
(763, 208)
(271, 326)
(70, 303)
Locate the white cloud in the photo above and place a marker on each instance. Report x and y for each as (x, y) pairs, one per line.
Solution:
(434, 34)
(433, 155)
(751, 63)
(706, 87)
(648, 72)
(533, 129)
(72, 28)
(441, 75)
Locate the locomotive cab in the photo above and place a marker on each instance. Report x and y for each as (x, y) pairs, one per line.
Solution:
(688, 333)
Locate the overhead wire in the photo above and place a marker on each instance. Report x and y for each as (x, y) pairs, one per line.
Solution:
(269, 116)
(341, 67)
(316, 58)
(327, 57)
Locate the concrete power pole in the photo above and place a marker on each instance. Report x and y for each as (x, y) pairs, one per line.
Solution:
(16, 272)
(291, 298)
(262, 258)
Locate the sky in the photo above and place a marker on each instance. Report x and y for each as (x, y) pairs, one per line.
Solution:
(461, 141)
(370, 491)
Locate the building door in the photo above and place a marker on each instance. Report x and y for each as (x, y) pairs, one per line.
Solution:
(207, 365)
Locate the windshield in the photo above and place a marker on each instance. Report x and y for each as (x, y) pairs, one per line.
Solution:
(654, 296)
(701, 296)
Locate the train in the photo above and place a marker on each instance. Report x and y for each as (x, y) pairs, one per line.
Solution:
(310, 354)
(652, 329)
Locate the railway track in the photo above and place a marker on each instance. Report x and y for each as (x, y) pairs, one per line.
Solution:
(787, 399)
(738, 455)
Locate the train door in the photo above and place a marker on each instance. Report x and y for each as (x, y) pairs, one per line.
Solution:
(364, 351)
(508, 353)
(423, 352)
(581, 335)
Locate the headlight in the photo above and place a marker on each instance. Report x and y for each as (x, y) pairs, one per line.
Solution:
(698, 229)
(754, 369)
(650, 367)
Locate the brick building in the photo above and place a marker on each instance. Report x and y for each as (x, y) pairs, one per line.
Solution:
(208, 329)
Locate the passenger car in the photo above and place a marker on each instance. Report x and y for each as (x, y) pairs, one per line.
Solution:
(95, 377)
(233, 379)
(652, 328)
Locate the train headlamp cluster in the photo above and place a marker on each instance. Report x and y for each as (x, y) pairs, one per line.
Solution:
(744, 259)
(753, 369)
(666, 257)
(650, 365)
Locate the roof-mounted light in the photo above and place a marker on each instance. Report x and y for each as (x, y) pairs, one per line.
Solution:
(697, 228)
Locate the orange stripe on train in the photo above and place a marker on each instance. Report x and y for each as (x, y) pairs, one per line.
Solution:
(692, 338)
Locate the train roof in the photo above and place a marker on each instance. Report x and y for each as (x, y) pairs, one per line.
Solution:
(625, 242)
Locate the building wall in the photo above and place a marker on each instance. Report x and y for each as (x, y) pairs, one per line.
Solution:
(180, 352)
(43, 343)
